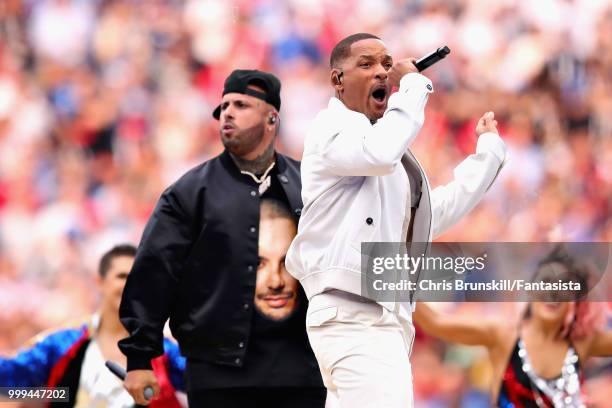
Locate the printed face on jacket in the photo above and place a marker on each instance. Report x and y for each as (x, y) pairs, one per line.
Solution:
(276, 290)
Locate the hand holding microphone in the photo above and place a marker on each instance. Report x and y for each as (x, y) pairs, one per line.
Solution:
(141, 384)
(399, 69)
(408, 65)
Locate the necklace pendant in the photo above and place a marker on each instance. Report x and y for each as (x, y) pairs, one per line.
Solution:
(265, 184)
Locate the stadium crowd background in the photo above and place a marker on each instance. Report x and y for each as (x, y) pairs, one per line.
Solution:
(104, 103)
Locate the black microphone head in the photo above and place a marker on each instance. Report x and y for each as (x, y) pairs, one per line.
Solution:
(443, 51)
(116, 369)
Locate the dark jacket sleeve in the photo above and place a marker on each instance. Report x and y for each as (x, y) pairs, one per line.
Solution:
(152, 284)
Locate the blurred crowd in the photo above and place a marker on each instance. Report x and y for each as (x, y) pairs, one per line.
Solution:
(104, 103)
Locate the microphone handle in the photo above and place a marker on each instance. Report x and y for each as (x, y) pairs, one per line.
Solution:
(121, 374)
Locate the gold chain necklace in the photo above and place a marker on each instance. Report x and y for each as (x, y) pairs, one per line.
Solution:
(264, 181)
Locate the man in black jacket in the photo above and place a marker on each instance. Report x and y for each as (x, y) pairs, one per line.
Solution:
(197, 264)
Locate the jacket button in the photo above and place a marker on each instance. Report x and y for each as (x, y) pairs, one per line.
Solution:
(369, 221)
(237, 361)
(245, 306)
(252, 229)
(253, 193)
(283, 178)
(298, 211)
(241, 344)
(250, 268)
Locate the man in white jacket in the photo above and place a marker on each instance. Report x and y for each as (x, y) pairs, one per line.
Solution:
(360, 183)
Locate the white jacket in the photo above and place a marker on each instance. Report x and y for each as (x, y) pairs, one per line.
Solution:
(355, 187)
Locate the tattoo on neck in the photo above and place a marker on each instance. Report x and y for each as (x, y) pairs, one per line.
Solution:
(259, 165)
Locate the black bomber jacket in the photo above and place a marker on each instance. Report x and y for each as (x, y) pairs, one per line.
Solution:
(196, 264)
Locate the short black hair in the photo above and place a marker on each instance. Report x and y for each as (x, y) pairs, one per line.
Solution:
(273, 208)
(114, 252)
(342, 50)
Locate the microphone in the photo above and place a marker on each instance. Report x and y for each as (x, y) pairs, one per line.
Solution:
(432, 58)
(120, 373)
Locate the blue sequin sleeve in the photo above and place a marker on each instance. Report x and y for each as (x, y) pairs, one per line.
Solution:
(177, 364)
(31, 366)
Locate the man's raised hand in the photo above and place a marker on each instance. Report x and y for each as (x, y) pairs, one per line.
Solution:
(487, 123)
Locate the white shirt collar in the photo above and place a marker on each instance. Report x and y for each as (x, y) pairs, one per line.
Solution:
(335, 103)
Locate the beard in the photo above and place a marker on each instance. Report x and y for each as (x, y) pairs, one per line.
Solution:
(243, 141)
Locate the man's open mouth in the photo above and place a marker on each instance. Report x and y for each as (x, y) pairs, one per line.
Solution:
(379, 93)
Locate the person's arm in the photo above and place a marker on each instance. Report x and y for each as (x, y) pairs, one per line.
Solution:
(358, 148)
(601, 344)
(472, 178)
(455, 328)
(31, 366)
(150, 290)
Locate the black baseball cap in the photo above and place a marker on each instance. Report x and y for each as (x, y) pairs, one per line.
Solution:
(240, 79)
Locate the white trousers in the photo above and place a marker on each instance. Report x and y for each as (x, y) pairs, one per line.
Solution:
(363, 351)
